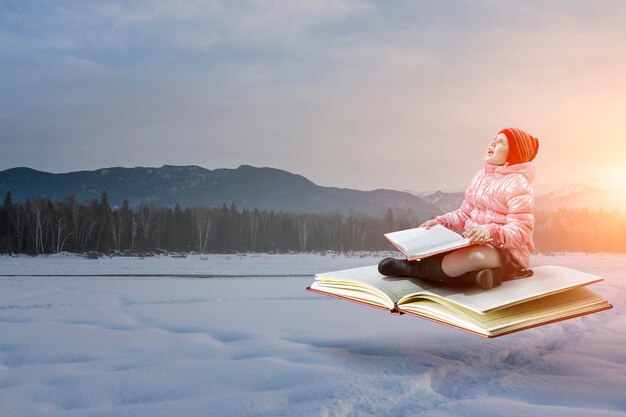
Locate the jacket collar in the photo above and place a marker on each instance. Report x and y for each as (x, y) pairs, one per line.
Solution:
(525, 168)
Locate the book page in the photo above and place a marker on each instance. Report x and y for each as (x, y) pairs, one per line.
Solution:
(536, 312)
(419, 242)
(547, 279)
(563, 303)
(394, 287)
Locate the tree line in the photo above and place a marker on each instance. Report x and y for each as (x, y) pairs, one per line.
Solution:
(40, 225)
(580, 230)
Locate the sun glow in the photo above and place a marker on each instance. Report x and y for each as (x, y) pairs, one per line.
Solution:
(617, 182)
(616, 177)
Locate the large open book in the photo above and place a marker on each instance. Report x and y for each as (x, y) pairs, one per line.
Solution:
(420, 242)
(554, 293)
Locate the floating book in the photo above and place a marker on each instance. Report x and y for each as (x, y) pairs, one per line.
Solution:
(420, 242)
(554, 293)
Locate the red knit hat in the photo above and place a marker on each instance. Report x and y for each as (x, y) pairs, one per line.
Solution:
(522, 146)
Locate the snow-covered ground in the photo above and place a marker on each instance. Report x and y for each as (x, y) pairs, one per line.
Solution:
(254, 342)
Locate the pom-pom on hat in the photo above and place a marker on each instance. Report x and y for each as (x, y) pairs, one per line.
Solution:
(522, 146)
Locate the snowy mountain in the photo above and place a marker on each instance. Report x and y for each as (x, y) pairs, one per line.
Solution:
(572, 197)
(445, 200)
(550, 197)
(246, 186)
(558, 189)
(269, 189)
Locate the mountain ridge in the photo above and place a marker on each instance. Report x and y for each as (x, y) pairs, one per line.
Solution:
(247, 186)
(267, 188)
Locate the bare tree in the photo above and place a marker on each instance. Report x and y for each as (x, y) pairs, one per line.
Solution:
(82, 224)
(40, 219)
(330, 230)
(202, 221)
(146, 217)
(357, 230)
(61, 236)
(17, 221)
(254, 227)
(303, 231)
(118, 227)
(133, 234)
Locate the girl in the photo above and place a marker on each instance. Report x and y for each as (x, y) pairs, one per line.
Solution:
(496, 213)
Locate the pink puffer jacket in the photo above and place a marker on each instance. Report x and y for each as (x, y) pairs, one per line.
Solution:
(502, 198)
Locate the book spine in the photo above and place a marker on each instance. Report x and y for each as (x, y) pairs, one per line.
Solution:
(396, 311)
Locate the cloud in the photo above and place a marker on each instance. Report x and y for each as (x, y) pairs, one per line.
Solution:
(418, 87)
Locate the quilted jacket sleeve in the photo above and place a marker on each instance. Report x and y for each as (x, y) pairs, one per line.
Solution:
(520, 219)
(455, 220)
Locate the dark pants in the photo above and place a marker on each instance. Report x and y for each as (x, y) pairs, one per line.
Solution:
(431, 269)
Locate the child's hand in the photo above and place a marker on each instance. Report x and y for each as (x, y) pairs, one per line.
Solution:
(479, 235)
(428, 224)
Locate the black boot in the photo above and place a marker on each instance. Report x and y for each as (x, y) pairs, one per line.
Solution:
(488, 278)
(395, 267)
(428, 268)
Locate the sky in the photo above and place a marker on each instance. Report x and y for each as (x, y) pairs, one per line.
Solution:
(355, 94)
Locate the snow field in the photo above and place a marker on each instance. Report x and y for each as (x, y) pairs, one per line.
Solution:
(263, 346)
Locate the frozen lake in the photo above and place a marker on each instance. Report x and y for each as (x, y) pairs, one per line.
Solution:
(233, 335)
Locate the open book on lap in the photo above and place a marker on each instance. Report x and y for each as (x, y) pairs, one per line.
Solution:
(420, 242)
(554, 293)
